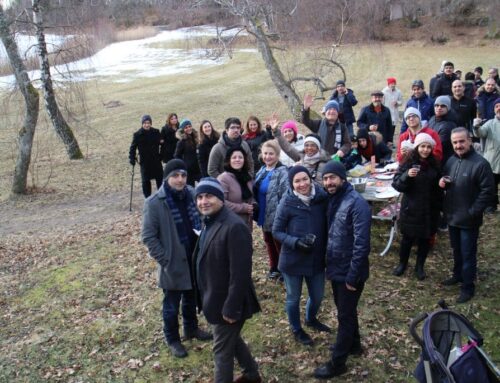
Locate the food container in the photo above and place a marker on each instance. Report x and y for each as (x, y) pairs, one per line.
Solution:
(359, 184)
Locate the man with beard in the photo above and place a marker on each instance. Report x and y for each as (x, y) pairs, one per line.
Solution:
(464, 107)
(231, 138)
(347, 267)
(376, 117)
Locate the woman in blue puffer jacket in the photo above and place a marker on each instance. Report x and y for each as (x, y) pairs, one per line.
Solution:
(300, 226)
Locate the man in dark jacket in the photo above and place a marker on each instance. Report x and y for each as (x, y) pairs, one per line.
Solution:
(347, 266)
(464, 106)
(346, 99)
(469, 190)
(420, 101)
(170, 218)
(223, 274)
(443, 122)
(147, 140)
(443, 84)
(376, 117)
(486, 97)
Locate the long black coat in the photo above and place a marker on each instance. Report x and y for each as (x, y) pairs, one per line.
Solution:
(223, 268)
(422, 199)
(147, 142)
(169, 143)
(203, 152)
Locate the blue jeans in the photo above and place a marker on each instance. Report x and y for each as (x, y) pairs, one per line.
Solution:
(464, 245)
(315, 287)
(171, 303)
(350, 129)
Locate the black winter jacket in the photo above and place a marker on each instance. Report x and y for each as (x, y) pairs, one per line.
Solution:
(422, 199)
(148, 144)
(442, 86)
(443, 126)
(471, 191)
(349, 228)
(346, 114)
(203, 152)
(466, 110)
(255, 144)
(369, 116)
(169, 143)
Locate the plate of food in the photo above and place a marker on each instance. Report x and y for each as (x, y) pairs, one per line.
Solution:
(388, 193)
(380, 170)
(384, 177)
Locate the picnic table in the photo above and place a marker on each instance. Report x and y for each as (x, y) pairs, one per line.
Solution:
(390, 203)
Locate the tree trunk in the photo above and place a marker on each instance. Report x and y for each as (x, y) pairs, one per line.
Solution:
(58, 122)
(31, 103)
(283, 86)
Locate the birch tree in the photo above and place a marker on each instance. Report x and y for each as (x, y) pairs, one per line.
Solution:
(31, 105)
(59, 123)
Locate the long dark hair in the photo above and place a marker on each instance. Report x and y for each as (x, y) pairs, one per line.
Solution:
(213, 136)
(414, 158)
(227, 160)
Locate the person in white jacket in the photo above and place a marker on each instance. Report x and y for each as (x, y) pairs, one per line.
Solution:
(393, 99)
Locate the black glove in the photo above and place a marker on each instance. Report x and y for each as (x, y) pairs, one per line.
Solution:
(303, 246)
(132, 162)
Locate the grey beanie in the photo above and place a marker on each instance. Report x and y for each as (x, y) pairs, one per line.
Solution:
(443, 100)
(210, 185)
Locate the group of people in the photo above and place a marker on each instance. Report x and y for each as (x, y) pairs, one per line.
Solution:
(198, 226)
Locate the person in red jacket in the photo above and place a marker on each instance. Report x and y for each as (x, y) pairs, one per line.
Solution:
(413, 118)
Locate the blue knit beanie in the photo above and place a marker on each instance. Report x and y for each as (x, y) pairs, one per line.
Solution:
(185, 122)
(145, 118)
(336, 168)
(210, 185)
(331, 104)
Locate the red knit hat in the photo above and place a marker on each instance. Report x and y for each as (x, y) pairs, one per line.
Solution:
(391, 80)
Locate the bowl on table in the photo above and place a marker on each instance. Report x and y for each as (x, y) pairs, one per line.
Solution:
(359, 184)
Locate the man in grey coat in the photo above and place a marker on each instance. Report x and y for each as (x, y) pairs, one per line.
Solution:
(169, 224)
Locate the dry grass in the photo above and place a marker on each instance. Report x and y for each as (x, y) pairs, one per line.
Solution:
(136, 33)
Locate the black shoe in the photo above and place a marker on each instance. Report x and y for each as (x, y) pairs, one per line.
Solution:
(198, 334)
(451, 281)
(420, 273)
(177, 349)
(318, 326)
(329, 370)
(302, 337)
(398, 271)
(464, 297)
(273, 274)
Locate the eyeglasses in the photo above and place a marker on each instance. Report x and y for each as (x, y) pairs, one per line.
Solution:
(411, 116)
(440, 106)
(235, 127)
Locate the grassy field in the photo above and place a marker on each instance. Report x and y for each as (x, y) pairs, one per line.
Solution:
(79, 303)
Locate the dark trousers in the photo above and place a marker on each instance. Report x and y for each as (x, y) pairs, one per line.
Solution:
(497, 181)
(273, 248)
(423, 247)
(347, 313)
(228, 345)
(464, 245)
(146, 181)
(171, 302)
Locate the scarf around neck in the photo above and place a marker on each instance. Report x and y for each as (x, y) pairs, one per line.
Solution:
(323, 133)
(236, 143)
(306, 199)
(242, 178)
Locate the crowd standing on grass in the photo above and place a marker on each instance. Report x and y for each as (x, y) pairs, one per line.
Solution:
(214, 188)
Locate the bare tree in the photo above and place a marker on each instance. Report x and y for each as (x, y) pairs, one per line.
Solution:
(258, 18)
(58, 122)
(31, 104)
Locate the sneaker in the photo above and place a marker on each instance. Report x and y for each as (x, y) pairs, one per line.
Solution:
(273, 274)
(302, 337)
(329, 370)
(177, 349)
(198, 334)
(464, 297)
(318, 326)
(451, 281)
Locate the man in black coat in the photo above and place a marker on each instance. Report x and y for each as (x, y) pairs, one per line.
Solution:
(464, 106)
(147, 141)
(443, 122)
(443, 84)
(469, 190)
(223, 274)
(377, 117)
